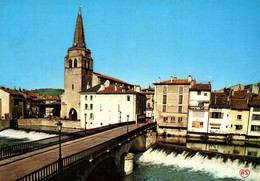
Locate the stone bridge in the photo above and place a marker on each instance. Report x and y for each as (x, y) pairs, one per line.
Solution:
(100, 154)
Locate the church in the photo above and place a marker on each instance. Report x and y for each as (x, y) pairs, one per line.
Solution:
(79, 74)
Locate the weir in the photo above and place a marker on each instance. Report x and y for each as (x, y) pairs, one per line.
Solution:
(176, 159)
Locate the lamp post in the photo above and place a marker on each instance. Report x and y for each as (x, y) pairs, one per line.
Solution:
(127, 122)
(85, 123)
(59, 125)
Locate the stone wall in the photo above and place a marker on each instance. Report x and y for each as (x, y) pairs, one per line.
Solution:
(47, 122)
(4, 124)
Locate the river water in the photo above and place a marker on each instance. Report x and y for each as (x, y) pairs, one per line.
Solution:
(160, 165)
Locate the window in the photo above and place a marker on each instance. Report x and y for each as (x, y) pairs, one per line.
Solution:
(72, 86)
(100, 107)
(70, 63)
(217, 115)
(91, 97)
(86, 106)
(75, 63)
(256, 117)
(180, 89)
(88, 65)
(164, 99)
(201, 124)
(165, 119)
(91, 106)
(238, 127)
(205, 94)
(179, 119)
(239, 117)
(86, 97)
(194, 124)
(180, 99)
(172, 119)
(165, 89)
(84, 64)
(199, 93)
(255, 128)
(256, 109)
(128, 98)
(148, 105)
(91, 116)
(164, 108)
(180, 109)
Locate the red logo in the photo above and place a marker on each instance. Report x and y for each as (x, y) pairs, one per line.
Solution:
(244, 173)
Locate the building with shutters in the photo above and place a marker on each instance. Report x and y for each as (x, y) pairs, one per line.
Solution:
(254, 118)
(171, 105)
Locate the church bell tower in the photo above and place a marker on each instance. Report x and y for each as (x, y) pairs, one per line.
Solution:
(78, 73)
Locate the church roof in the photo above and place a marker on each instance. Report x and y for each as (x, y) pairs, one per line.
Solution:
(110, 78)
(79, 37)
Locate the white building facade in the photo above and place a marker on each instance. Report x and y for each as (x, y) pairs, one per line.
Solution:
(254, 118)
(111, 105)
(198, 115)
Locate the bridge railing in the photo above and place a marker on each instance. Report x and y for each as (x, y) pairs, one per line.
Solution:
(52, 170)
(9, 151)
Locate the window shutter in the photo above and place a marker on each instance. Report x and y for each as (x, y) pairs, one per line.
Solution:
(210, 114)
(222, 115)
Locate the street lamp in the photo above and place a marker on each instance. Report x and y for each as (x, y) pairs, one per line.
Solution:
(85, 123)
(127, 122)
(59, 125)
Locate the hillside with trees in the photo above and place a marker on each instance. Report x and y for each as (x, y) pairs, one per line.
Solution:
(48, 91)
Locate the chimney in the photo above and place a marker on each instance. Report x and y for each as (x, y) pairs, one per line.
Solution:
(171, 79)
(102, 87)
(189, 78)
(115, 86)
(159, 79)
(215, 99)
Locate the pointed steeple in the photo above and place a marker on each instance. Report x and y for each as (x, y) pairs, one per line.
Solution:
(79, 38)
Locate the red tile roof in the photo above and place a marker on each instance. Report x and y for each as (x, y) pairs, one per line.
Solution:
(201, 87)
(151, 89)
(110, 78)
(255, 102)
(174, 81)
(239, 104)
(12, 92)
(219, 100)
(30, 94)
(111, 90)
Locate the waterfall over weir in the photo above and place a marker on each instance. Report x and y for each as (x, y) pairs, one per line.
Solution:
(11, 136)
(217, 167)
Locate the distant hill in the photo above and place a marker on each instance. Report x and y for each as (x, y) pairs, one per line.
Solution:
(48, 91)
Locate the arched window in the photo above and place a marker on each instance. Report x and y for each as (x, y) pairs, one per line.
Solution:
(70, 63)
(75, 63)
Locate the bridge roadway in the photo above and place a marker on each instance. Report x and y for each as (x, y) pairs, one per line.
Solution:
(19, 168)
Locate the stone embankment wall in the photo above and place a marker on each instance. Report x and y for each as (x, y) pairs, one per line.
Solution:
(47, 122)
(4, 124)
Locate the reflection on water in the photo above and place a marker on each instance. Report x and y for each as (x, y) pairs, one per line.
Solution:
(221, 146)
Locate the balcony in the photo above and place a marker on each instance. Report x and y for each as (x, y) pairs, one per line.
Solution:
(199, 107)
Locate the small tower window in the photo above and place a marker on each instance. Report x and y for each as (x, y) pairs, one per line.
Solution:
(84, 63)
(128, 98)
(70, 63)
(75, 63)
(72, 86)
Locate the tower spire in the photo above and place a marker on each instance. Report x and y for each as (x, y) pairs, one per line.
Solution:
(79, 38)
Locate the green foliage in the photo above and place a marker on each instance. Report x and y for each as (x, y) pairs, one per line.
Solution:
(48, 92)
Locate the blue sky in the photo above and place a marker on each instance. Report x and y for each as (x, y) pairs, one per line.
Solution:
(136, 41)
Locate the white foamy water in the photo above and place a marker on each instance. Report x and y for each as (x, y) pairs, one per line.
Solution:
(215, 166)
(20, 134)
